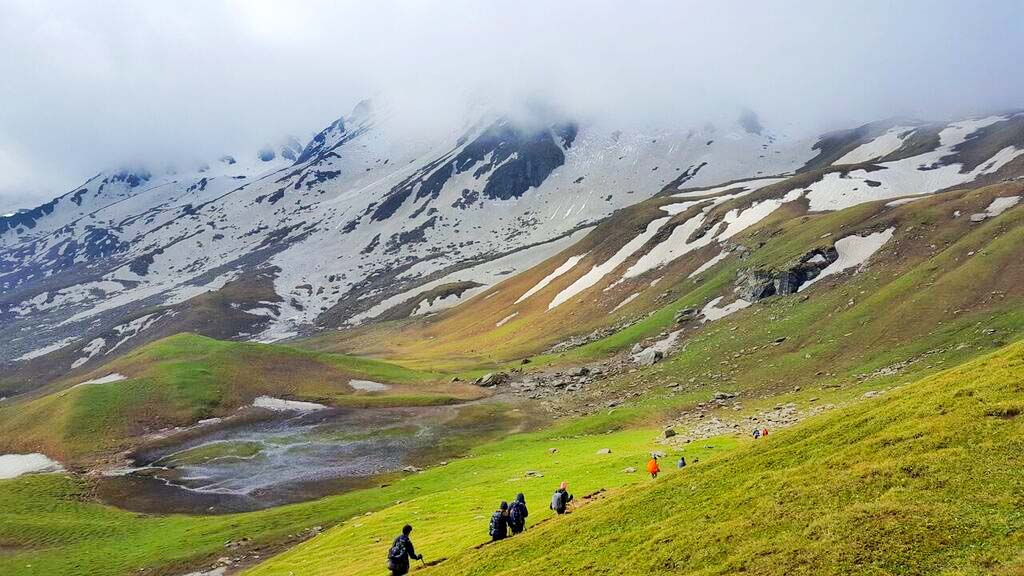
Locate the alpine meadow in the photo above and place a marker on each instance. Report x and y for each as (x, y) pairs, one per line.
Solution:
(353, 288)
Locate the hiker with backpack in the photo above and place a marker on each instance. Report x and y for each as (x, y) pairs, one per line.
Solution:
(498, 528)
(400, 553)
(652, 467)
(561, 498)
(682, 462)
(517, 514)
(757, 433)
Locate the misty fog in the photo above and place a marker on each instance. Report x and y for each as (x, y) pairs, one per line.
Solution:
(92, 85)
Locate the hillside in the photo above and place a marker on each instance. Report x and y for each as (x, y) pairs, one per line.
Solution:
(183, 379)
(827, 300)
(923, 479)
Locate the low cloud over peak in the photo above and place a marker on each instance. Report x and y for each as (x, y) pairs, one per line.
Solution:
(88, 86)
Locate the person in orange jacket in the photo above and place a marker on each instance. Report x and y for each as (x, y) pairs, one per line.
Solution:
(652, 467)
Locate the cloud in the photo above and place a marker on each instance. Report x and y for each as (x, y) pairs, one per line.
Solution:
(92, 85)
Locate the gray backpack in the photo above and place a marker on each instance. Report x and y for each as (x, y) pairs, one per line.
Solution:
(557, 501)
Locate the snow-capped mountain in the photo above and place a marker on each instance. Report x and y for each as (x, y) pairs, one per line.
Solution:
(365, 223)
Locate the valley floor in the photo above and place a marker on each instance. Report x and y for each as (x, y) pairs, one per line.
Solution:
(924, 478)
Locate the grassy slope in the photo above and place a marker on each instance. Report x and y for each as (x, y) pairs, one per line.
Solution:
(48, 524)
(948, 265)
(924, 480)
(179, 380)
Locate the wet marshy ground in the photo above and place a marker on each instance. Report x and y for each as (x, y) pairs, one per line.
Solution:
(296, 456)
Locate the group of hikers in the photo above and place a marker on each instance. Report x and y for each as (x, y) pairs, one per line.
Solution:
(507, 520)
(653, 468)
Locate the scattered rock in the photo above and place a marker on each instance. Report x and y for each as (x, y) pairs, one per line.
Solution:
(648, 357)
(724, 395)
(412, 469)
(685, 315)
(605, 451)
(872, 394)
(533, 474)
(552, 450)
(629, 470)
(493, 379)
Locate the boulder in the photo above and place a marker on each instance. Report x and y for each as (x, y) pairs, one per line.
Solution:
(412, 469)
(648, 357)
(493, 379)
(636, 349)
(605, 451)
(724, 395)
(668, 433)
(685, 315)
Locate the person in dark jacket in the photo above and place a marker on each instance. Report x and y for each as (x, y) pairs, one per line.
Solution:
(517, 514)
(682, 462)
(498, 528)
(561, 498)
(400, 553)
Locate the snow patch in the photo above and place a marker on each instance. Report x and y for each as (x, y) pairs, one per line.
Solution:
(14, 465)
(710, 263)
(903, 201)
(922, 173)
(744, 187)
(506, 319)
(115, 377)
(280, 405)
(597, 272)
(1000, 205)
(367, 386)
(712, 312)
(569, 264)
(881, 146)
(46, 349)
(91, 349)
(853, 251)
(628, 299)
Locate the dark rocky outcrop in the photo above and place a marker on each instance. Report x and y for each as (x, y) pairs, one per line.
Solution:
(757, 284)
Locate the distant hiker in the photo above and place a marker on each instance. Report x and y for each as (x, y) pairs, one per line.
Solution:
(400, 553)
(561, 498)
(682, 462)
(517, 514)
(499, 523)
(764, 432)
(652, 467)
(757, 433)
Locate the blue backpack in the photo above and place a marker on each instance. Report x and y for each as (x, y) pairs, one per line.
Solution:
(397, 551)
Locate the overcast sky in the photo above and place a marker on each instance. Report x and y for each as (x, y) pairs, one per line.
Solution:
(87, 85)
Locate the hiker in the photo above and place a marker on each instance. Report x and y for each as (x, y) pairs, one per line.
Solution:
(517, 514)
(652, 467)
(400, 553)
(764, 432)
(682, 462)
(561, 498)
(499, 523)
(757, 433)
